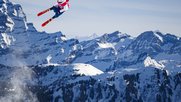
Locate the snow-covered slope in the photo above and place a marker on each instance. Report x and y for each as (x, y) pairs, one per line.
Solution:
(39, 66)
(148, 62)
(48, 74)
(86, 69)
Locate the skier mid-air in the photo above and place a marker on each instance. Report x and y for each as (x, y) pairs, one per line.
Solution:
(60, 8)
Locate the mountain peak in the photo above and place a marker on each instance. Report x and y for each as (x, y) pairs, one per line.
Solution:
(148, 41)
(150, 35)
(118, 34)
(113, 37)
(12, 17)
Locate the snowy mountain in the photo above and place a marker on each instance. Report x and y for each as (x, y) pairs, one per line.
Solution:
(41, 67)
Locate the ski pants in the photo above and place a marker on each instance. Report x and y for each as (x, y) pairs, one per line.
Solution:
(56, 9)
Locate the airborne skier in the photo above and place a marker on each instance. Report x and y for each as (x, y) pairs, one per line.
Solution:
(59, 9)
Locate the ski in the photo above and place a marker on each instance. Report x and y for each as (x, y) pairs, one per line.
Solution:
(46, 22)
(43, 12)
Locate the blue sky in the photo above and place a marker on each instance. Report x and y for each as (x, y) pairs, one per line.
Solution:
(87, 17)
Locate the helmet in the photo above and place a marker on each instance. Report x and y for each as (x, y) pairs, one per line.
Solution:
(60, 1)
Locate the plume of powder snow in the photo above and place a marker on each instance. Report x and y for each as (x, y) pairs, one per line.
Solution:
(18, 89)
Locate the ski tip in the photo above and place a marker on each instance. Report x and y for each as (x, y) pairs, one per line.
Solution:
(38, 14)
(43, 25)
